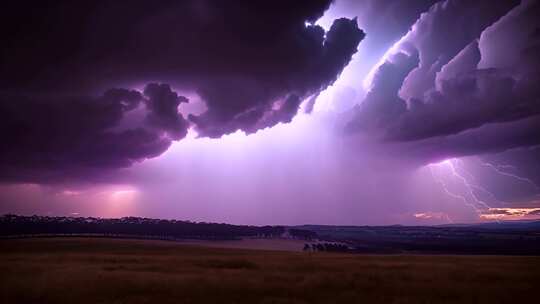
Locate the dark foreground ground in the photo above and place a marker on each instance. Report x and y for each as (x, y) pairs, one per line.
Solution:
(78, 270)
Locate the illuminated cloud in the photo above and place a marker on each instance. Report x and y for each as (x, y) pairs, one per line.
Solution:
(511, 214)
(436, 216)
(412, 109)
(454, 102)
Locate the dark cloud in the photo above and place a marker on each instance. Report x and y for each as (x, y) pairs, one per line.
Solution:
(487, 139)
(162, 104)
(466, 102)
(447, 94)
(437, 45)
(59, 136)
(239, 57)
(382, 103)
(244, 102)
(252, 63)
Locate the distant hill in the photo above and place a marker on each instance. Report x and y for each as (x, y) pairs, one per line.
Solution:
(509, 237)
(515, 224)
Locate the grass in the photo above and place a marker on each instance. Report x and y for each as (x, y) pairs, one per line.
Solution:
(81, 270)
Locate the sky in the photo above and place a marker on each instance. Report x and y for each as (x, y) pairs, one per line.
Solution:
(368, 112)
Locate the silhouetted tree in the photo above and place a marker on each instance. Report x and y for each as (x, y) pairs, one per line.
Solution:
(130, 226)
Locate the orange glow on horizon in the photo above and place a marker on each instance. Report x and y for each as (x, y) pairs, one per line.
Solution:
(510, 214)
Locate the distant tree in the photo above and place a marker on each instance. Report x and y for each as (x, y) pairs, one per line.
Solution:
(307, 247)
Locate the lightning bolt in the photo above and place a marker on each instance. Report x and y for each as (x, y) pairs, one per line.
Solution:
(457, 173)
(473, 184)
(454, 170)
(499, 169)
(470, 199)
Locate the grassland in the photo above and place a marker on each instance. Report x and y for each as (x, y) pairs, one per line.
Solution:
(81, 270)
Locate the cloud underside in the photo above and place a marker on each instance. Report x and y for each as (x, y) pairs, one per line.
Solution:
(252, 64)
(472, 90)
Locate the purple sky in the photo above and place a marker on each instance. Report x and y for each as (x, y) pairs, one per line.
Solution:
(352, 112)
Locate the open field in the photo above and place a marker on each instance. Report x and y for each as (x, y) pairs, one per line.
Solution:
(252, 243)
(78, 270)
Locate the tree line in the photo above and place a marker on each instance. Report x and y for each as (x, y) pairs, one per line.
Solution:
(14, 225)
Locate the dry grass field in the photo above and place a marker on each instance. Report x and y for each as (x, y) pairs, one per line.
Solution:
(252, 243)
(79, 270)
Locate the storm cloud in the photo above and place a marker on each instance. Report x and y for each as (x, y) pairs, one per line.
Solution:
(252, 64)
(448, 92)
(46, 138)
